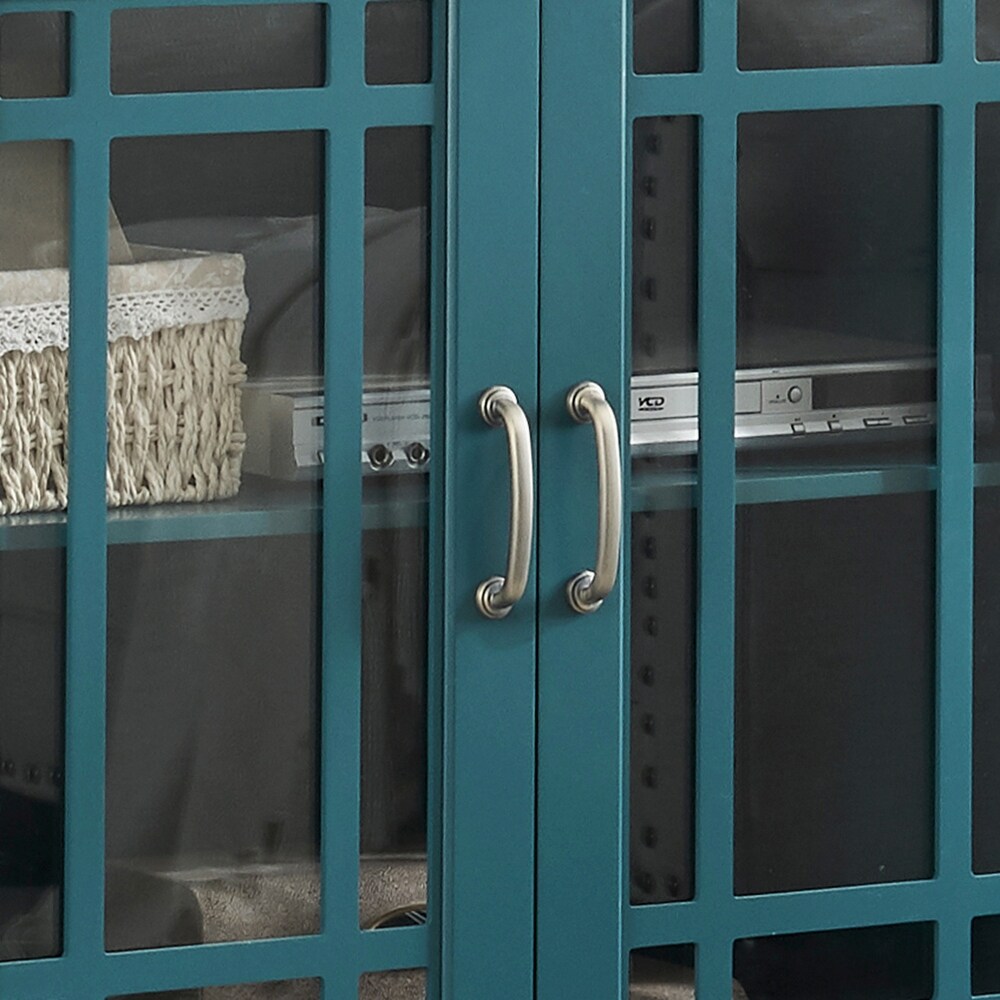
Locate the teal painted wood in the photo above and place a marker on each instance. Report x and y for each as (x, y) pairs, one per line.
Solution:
(489, 705)
(717, 94)
(956, 331)
(581, 720)
(342, 599)
(90, 117)
(436, 573)
(83, 894)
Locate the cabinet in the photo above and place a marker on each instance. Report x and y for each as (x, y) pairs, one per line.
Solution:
(263, 741)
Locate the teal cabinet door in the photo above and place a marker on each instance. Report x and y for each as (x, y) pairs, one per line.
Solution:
(256, 738)
(766, 762)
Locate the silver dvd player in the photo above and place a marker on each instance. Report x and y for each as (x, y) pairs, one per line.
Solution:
(895, 397)
(285, 421)
(848, 402)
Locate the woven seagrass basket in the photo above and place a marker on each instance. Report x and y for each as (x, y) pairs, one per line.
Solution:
(175, 432)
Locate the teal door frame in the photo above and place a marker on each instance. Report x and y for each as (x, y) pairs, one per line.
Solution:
(590, 98)
(489, 748)
(481, 105)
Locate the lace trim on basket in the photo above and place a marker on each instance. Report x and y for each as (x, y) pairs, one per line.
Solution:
(34, 307)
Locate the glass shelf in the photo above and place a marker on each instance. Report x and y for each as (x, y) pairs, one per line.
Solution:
(270, 507)
(263, 507)
(675, 490)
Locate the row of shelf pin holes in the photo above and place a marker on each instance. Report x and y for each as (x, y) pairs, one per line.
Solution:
(646, 585)
(32, 774)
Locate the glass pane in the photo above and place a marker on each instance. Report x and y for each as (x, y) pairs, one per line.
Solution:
(397, 448)
(398, 41)
(986, 955)
(867, 963)
(285, 989)
(836, 346)
(399, 984)
(834, 692)
(987, 280)
(242, 47)
(837, 261)
(34, 54)
(986, 690)
(666, 974)
(780, 35)
(665, 36)
(32, 626)
(213, 642)
(664, 444)
(664, 245)
(34, 329)
(988, 31)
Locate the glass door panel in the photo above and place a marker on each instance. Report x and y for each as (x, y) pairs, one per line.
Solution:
(834, 693)
(213, 645)
(837, 307)
(268, 723)
(34, 333)
(836, 355)
(794, 647)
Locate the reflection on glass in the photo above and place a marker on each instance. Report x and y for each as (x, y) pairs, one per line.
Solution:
(986, 689)
(213, 646)
(665, 36)
(834, 764)
(397, 450)
(34, 54)
(986, 956)
(987, 276)
(895, 962)
(242, 47)
(790, 34)
(397, 41)
(32, 626)
(662, 706)
(837, 306)
(399, 984)
(284, 989)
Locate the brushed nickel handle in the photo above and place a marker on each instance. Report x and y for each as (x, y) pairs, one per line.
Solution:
(586, 591)
(495, 596)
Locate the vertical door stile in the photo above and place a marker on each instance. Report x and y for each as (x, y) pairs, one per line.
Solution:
(342, 526)
(488, 866)
(582, 659)
(955, 541)
(714, 645)
(86, 542)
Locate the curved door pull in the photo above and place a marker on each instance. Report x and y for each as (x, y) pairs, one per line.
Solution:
(586, 591)
(495, 597)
